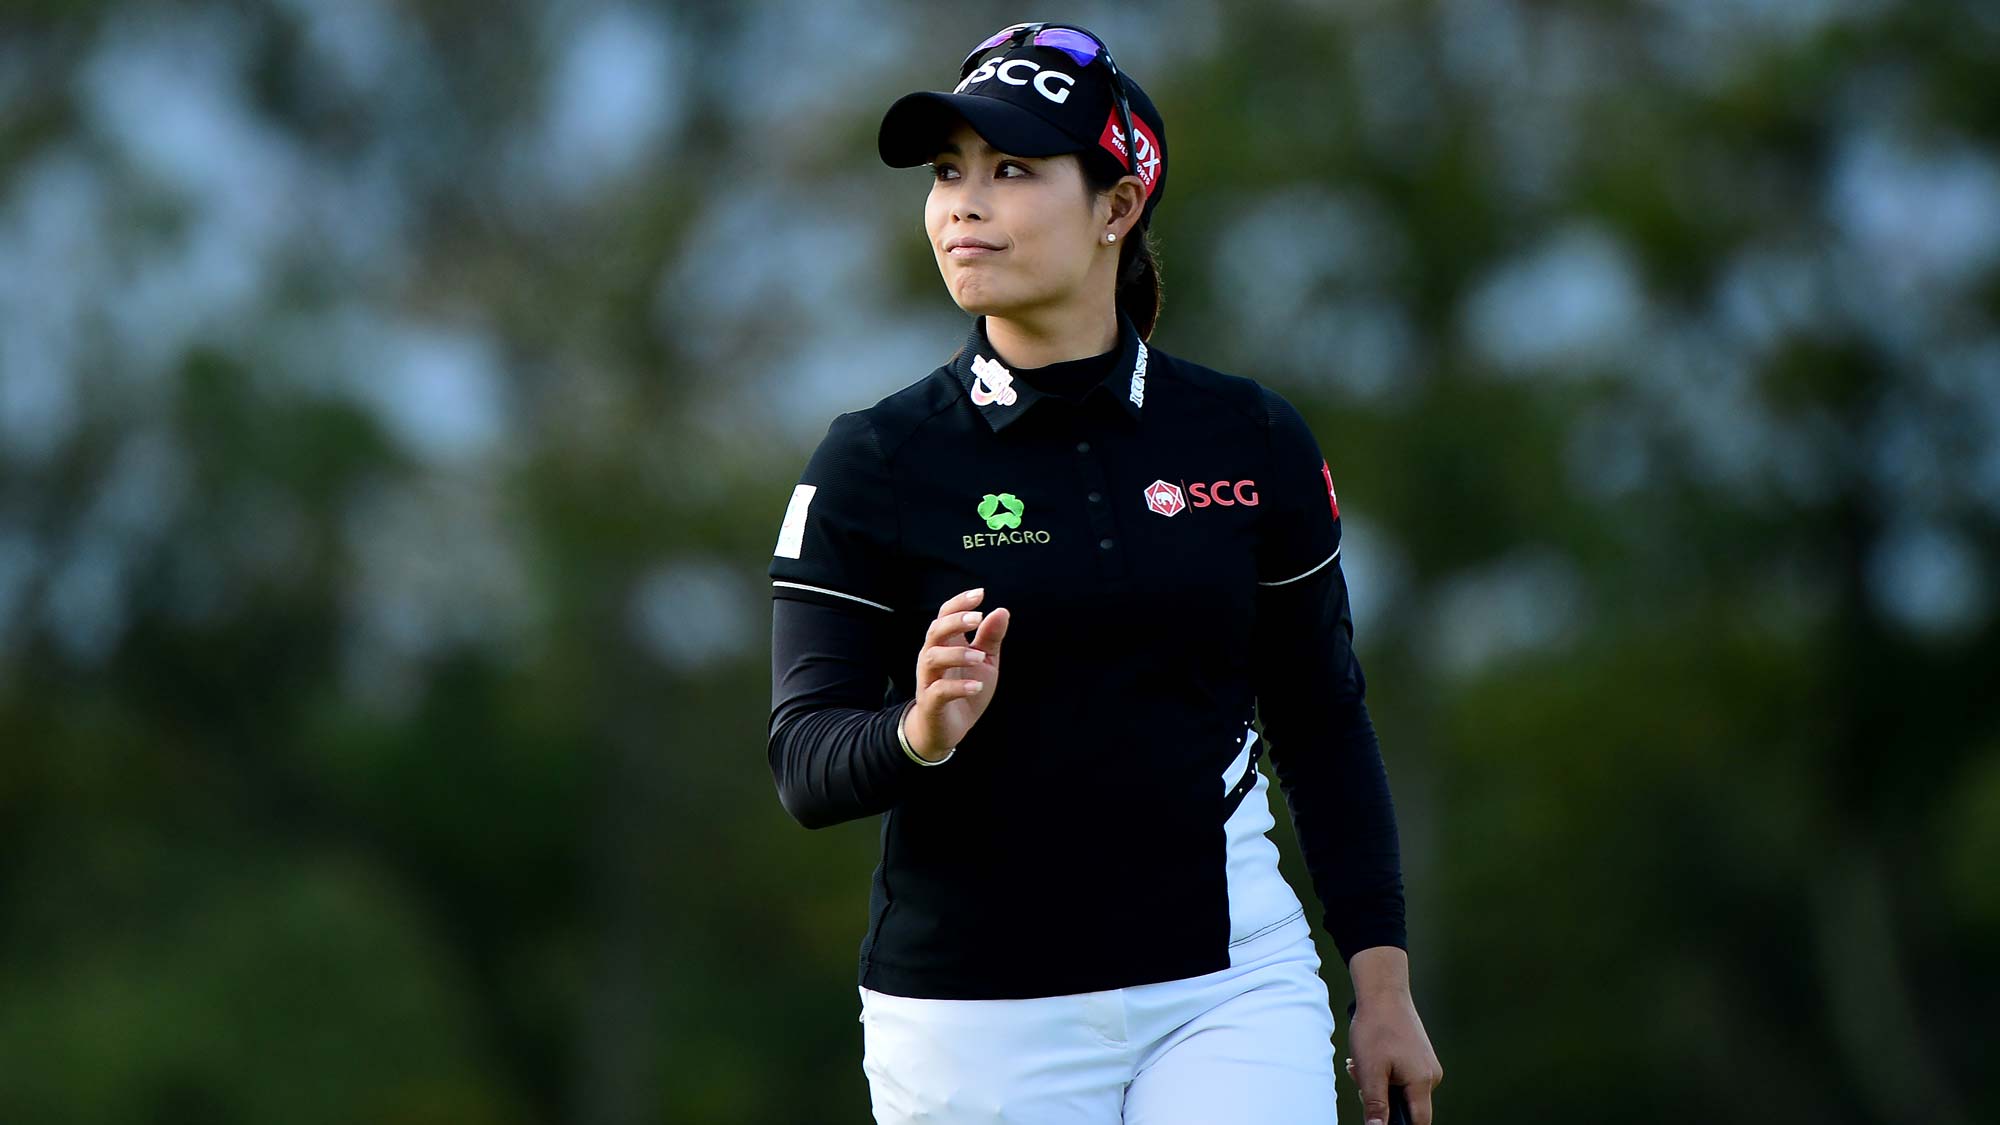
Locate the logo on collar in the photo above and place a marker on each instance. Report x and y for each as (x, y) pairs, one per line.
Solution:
(992, 383)
(1138, 385)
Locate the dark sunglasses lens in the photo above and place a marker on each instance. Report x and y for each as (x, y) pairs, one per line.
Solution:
(965, 67)
(1075, 44)
(998, 37)
(993, 40)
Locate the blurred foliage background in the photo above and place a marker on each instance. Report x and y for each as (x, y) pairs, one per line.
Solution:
(398, 402)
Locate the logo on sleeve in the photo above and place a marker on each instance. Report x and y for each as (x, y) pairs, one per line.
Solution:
(792, 532)
(1002, 512)
(1331, 500)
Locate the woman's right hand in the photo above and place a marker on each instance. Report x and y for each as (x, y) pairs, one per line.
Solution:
(955, 681)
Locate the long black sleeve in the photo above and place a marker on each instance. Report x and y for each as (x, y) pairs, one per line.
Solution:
(833, 748)
(1310, 696)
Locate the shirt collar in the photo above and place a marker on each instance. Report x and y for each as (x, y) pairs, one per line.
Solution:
(1001, 399)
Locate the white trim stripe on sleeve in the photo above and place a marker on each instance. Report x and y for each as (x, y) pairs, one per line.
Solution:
(1296, 577)
(835, 593)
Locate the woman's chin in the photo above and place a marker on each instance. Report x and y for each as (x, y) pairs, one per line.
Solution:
(976, 303)
(981, 300)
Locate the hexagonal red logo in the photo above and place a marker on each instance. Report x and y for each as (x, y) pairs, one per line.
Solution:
(1165, 498)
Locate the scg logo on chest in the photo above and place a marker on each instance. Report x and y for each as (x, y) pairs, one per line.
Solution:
(1169, 499)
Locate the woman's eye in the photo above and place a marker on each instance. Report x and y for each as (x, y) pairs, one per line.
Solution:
(947, 172)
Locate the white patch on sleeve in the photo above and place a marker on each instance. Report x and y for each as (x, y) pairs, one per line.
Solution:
(792, 533)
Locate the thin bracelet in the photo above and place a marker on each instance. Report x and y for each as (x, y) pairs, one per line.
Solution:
(911, 750)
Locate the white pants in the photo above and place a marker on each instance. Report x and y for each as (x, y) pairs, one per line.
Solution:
(1246, 1045)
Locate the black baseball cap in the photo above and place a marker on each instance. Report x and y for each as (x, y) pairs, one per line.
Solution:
(1033, 101)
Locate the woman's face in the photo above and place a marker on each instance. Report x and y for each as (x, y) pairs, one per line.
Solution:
(1047, 234)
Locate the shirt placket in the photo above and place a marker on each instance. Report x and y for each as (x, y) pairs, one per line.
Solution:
(1087, 454)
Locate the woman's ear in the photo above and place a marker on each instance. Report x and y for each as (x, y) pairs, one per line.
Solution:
(1128, 202)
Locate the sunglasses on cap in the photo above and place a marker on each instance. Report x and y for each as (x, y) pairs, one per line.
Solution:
(1079, 44)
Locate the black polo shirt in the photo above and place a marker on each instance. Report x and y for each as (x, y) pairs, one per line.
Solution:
(1167, 544)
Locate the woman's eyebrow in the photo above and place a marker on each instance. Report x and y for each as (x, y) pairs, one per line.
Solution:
(951, 148)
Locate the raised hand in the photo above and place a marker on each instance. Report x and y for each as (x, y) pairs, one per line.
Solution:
(955, 680)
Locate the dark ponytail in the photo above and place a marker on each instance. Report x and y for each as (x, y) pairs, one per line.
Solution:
(1140, 293)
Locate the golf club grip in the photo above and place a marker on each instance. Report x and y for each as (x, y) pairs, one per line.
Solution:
(1399, 1102)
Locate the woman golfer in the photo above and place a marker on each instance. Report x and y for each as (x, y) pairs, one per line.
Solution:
(1025, 611)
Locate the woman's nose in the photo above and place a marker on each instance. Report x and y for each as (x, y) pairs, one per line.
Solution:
(969, 202)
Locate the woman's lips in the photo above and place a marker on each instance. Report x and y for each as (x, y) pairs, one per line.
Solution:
(971, 251)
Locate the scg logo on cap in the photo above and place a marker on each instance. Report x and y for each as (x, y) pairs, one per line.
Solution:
(1007, 70)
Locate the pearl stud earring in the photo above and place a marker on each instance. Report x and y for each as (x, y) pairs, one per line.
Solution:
(1109, 237)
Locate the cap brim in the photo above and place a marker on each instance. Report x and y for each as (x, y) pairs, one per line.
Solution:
(915, 127)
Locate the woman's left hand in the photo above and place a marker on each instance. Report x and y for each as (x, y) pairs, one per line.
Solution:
(1390, 1046)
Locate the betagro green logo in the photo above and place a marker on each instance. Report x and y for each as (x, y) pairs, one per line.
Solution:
(1002, 512)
